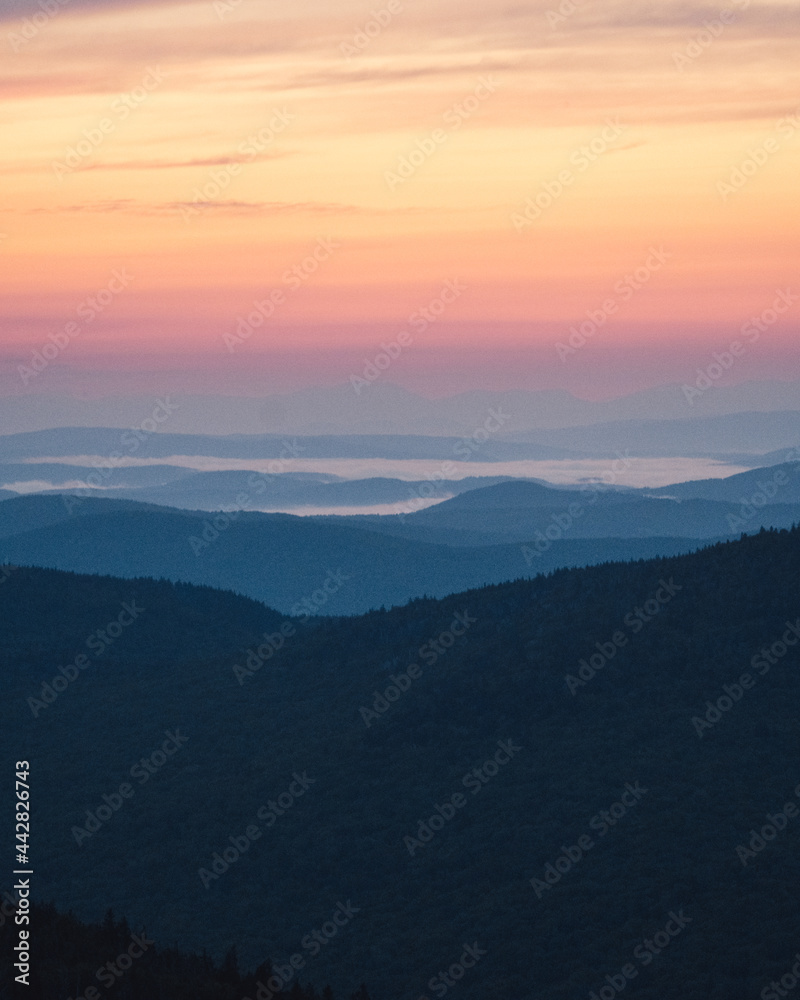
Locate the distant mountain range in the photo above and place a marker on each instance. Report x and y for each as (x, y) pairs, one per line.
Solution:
(175, 486)
(487, 535)
(219, 490)
(737, 438)
(774, 484)
(382, 408)
(523, 512)
(288, 562)
(109, 441)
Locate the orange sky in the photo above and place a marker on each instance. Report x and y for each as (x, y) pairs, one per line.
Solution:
(206, 149)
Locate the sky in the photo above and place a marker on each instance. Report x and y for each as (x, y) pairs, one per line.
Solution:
(240, 190)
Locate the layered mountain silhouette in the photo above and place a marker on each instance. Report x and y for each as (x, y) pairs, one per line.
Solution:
(280, 559)
(487, 535)
(146, 443)
(381, 408)
(523, 768)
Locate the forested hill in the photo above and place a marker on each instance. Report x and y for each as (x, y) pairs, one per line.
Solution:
(49, 615)
(338, 566)
(450, 772)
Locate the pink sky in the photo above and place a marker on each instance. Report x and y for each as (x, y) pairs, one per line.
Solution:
(548, 167)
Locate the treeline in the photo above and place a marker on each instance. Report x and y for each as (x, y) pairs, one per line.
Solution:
(372, 763)
(72, 960)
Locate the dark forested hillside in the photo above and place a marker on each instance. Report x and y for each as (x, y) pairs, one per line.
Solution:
(52, 619)
(336, 566)
(539, 784)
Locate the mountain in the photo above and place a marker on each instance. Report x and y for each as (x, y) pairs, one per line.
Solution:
(380, 408)
(731, 436)
(20, 514)
(774, 484)
(523, 770)
(520, 512)
(62, 474)
(348, 565)
(777, 457)
(517, 494)
(740, 438)
(143, 444)
(177, 486)
(219, 490)
(217, 619)
(325, 566)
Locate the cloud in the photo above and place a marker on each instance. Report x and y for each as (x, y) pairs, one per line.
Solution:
(210, 161)
(27, 8)
(384, 73)
(132, 207)
(259, 207)
(758, 19)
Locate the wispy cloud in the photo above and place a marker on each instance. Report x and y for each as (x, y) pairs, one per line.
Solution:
(133, 207)
(210, 161)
